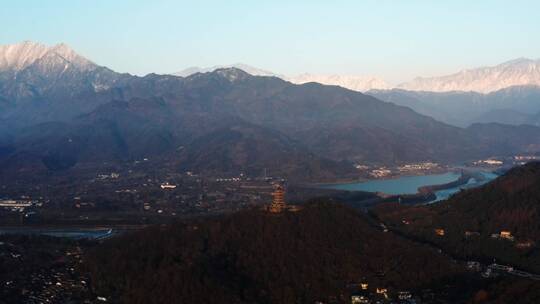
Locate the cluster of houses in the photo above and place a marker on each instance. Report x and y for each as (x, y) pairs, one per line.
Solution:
(505, 235)
(230, 179)
(502, 235)
(494, 270)
(113, 175)
(488, 162)
(380, 172)
(418, 167)
(19, 205)
(167, 186)
(439, 231)
(515, 160)
(523, 159)
(60, 283)
(380, 295)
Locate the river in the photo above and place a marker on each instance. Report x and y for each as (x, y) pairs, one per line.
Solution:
(63, 233)
(410, 184)
(472, 183)
(401, 185)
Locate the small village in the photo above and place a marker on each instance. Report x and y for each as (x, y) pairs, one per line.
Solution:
(58, 282)
(189, 194)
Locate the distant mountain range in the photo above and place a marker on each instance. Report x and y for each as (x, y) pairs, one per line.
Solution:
(508, 93)
(244, 67)
(355, 83)
(516, 72)
(60, 109)
(352, 82)
(513, 105)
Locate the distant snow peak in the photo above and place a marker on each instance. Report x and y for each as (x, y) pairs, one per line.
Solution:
(21, 55)
(244, 67)
(232, 74)
(351, 82)
(16, 57)
(356, 83)
(517, 72)
(70, 55)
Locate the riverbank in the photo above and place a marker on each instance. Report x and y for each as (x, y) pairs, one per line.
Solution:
(70, 232)
(407, 185)
(91, 234)
(419, 189)
(462, 180)
(393, 176)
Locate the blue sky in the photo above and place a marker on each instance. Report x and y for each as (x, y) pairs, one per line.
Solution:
(396, 40)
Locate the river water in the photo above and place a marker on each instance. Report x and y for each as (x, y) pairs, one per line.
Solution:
(401, 185)
(64, 233)
(473, 183)
(410, 184)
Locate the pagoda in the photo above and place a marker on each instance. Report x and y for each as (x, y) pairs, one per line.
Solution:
(278, 204)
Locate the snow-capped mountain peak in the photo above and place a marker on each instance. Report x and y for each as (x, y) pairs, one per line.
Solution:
(70, 55)
(517, 72)
(232, 74)
(244, 67)
(356, 83)
(16, 57)
(351, 82)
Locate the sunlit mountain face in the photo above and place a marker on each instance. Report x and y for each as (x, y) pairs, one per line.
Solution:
(518, 72)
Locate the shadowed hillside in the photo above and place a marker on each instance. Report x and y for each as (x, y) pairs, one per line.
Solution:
(255, 257)
(510, 203)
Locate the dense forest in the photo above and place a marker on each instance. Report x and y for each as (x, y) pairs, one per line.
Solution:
(471, 218)
(256, 257)
(316, 253)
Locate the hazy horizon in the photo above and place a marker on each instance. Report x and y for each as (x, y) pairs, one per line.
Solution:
(394, 41)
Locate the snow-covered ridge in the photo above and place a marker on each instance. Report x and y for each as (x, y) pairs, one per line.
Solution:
(517, 72)
(244, 67)
(352, 82)
(16, 57)
(232, 74)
